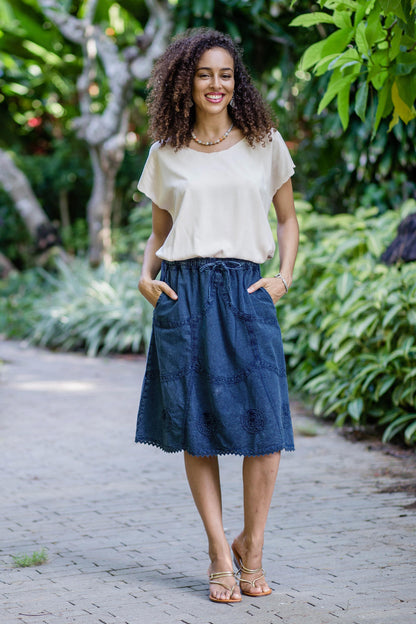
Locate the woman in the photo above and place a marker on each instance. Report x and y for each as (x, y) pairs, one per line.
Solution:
(215, 379)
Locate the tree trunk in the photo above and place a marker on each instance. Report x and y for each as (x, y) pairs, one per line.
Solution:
(16, 184)
(105, 133)
(106, 160)
(6, 266)
(99, 210)
(64, 210)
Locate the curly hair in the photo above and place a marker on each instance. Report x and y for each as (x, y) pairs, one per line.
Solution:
(170, 105)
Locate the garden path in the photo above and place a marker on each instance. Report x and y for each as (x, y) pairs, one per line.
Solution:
(124, 542)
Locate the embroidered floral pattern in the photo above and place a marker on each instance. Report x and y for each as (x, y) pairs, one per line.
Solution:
(206, 423)
(253, 421)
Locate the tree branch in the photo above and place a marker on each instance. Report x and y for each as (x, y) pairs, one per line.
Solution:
(90, 10)
(93, 127)
(17, 185)
(154, 38)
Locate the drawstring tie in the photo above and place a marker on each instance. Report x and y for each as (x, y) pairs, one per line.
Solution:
(220, 268)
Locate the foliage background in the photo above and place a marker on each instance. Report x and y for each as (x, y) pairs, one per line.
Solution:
(349, 321)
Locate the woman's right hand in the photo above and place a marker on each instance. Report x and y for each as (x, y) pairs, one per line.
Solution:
(152, 289)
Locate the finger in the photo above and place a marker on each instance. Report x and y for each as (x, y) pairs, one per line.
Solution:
(255, 286)
(169, 291)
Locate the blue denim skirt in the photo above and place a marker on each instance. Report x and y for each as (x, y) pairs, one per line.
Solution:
(215, 380)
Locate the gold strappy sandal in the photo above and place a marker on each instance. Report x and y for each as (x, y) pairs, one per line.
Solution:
(213, 579)
(242, 568)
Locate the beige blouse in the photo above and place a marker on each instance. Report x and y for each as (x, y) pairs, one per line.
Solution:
(218, 201)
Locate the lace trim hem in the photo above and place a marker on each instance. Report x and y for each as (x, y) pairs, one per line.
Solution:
(212, 452)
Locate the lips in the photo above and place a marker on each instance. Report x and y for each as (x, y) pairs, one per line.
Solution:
(214, 97)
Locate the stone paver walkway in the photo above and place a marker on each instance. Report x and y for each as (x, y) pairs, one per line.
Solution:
(125, 544)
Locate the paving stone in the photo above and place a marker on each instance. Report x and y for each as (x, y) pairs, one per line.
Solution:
(125, 543)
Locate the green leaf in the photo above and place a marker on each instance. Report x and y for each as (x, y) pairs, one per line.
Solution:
(344, 285)
(348, 57)
(344, 350)
(378, 69)
(385, 384)
(409, 375)
(408, 394)
(322, 66)
(365, 324)
(371, 378)
(396, 426)
(355, 409)
(401, 109)
(314, 341)
(374, 31)
(337, 82)
(335, 43)
(342, 19)
(361, 40)
(392, 313)
(375, 245)
(410, 433)
(383, 102)
(393, 6)
(407, 88)
(331, 4)
(343, 104)
(361, 11)
(395, 42)
(405, 63)
(310, 19)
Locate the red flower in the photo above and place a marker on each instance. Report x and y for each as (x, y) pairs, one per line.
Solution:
(34, 122)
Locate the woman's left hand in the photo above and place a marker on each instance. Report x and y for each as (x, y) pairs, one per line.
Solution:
(273, 285)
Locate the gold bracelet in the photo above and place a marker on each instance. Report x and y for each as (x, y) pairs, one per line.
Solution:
(280, 276)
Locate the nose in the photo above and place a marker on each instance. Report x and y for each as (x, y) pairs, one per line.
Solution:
(215, 81)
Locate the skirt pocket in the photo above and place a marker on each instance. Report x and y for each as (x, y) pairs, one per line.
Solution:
(172, 335)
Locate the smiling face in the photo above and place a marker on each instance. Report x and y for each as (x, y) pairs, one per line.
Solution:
(213, 84)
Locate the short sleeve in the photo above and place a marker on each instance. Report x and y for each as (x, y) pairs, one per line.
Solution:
(282, 166)
(149, 182)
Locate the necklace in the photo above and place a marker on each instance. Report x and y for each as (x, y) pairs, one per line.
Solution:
(224, 136)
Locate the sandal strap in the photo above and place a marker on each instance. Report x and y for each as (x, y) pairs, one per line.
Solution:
(217, 575)
(253, 582)
(248, 571)
(230, 589)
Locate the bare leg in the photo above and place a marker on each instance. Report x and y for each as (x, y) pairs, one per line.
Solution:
(204, 481)
(259, 477)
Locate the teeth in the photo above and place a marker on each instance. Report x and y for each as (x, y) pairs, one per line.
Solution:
(214, 97)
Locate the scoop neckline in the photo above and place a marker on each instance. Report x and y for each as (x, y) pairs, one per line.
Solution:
(219, 151)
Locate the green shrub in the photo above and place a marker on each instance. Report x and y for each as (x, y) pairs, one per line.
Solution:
(129, 241)
(18, 296)
(94, 310)
(349, 322)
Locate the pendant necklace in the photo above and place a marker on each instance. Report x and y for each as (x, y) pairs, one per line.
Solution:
(224, 136)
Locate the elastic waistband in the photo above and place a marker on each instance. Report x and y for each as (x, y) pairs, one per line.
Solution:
(200, 263)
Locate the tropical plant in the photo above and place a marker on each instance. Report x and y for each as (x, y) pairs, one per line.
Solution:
(96, 310)
(371, 44)
(18, 296)
(112, 46)
(349, 322)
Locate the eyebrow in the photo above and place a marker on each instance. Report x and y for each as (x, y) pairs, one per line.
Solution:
(210, 68)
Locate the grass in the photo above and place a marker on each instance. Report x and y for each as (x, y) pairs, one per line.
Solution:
(25, 561)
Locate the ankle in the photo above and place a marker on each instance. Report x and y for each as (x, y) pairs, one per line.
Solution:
(250, 542)
(219, 552)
